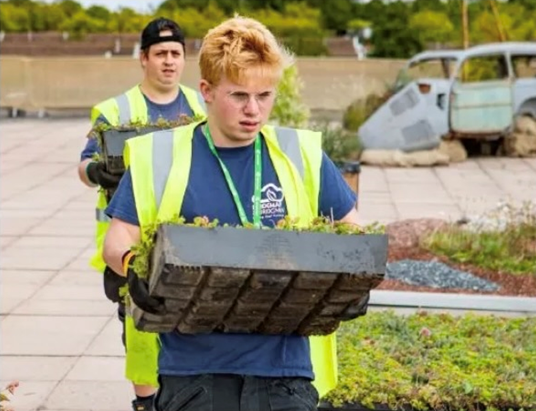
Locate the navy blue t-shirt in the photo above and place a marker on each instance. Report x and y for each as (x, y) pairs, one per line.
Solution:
(207, 194)
(170, 112)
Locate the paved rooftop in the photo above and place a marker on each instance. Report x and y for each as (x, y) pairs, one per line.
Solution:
(59, 335)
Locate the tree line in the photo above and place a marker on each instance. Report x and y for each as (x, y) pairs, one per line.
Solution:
(397, 29)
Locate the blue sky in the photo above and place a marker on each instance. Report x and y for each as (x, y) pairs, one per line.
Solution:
(138, 5)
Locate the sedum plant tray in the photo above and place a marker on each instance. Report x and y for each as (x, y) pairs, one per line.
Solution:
(269, 281)
(113, 144)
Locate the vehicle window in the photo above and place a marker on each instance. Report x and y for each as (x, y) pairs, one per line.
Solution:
(484, 68)
(438, 68)
(524, 66)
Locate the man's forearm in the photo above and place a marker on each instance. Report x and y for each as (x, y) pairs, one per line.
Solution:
(82, 172)
(121, 236)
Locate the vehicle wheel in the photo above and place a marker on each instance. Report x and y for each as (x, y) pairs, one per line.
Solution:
(521, 141)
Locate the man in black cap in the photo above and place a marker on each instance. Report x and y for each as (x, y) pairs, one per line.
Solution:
(158, 95)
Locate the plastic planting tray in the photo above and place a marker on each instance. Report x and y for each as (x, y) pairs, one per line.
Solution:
(113, 144)
(241, 280)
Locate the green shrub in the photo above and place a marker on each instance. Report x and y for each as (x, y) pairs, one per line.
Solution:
(306, 46)
(359, 110)
(339, 144)
(289, 110)
(437, 361)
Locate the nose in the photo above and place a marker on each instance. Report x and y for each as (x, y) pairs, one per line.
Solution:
(252, 106)
(169, 58)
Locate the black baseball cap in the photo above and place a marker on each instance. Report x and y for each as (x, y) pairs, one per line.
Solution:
(151, 33)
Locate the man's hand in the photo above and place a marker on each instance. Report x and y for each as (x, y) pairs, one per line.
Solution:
(138, 288)
(97, 174)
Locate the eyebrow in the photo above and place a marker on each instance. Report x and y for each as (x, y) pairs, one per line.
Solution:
(245, 92)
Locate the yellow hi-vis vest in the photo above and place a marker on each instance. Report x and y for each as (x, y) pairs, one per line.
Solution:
(123, 109)
(160, 168)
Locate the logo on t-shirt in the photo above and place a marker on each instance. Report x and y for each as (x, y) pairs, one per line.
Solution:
(272, 206)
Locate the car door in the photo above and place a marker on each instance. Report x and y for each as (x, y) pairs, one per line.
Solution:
(524, 88)
(481, 96)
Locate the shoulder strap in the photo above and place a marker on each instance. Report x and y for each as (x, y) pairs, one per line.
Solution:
(170, 203)
(107, 109)
(304, 150)
(132, 106)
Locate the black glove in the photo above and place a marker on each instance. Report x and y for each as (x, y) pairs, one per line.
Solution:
(112, 283)
(97, 174)
(138, 288)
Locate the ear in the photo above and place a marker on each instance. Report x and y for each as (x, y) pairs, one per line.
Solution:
(143, 57)
(207, 90)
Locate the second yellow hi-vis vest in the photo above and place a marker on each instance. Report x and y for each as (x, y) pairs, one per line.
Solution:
(123, 109)
(159, 189)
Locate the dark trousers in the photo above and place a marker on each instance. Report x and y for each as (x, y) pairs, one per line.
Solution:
(226, 392)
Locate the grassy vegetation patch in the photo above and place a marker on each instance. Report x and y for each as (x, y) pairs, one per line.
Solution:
(437, 361)
(511, 249)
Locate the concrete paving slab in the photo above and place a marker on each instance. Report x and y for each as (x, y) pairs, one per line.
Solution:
(375, 197)
(98, 369)
(16, 226)
(8, 304)
(42, 335)
(80, 264)
(378, 211)
(85, 205)
(38, 277)
(15, 213)
(108, 342)
(35, 258)
(449, 212)
(36, 368)
(6, 241)
(91, 395)
(69, 292)
(89, 278)
(71, 308)
(19, 290)
(58, 227)
(79, 243)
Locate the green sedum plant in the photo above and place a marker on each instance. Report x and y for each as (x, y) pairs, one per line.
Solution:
(183, 120)
(437, 362)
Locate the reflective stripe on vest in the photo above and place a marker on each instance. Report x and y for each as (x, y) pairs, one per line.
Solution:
(290, 144)
(123, 107)
(101, 216)
(162, 161)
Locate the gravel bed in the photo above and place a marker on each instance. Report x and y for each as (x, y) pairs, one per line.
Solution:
(437, 275)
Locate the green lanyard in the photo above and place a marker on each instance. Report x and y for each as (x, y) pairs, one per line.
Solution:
(258, 181)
